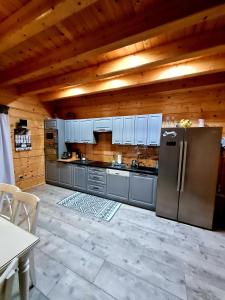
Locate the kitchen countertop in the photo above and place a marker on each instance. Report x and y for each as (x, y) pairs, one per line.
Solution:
(100, 164)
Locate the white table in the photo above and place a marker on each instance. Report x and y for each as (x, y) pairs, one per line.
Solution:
(16, 242)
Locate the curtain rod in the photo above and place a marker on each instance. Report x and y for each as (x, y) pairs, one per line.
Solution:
(4, 109)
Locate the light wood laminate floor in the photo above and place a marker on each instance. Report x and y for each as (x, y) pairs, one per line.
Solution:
(136, 256)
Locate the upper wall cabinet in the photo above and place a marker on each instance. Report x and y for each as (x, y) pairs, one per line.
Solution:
(86, 131)
(117, 130)
(103, 124)
(68, 131)
(75, 131)
(128, 130)
(154, 129)
(141, 130)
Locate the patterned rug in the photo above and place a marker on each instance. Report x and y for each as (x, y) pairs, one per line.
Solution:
(90, 205)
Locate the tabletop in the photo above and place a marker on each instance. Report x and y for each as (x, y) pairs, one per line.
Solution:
(14, 242)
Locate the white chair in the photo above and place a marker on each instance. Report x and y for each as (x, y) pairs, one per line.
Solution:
(6, 195)
(6, 280)
(24, 214)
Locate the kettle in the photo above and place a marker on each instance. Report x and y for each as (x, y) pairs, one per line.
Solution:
(134, 164)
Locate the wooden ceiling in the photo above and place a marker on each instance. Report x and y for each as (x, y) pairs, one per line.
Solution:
(61, 48)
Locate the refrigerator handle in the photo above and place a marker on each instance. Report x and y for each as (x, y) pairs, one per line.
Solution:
(179, 166)
(184, 166)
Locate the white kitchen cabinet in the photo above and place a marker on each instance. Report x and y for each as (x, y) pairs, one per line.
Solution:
(87, 131)
(154, 129)
(128, 130)
(141, 130)
(117, 130)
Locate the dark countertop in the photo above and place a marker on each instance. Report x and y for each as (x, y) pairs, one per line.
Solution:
(100, 164)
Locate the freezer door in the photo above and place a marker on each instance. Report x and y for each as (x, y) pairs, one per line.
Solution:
(170, 162)
(199, 178)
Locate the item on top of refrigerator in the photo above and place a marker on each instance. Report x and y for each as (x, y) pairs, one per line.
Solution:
(167, 123)
(185, 123)
(201, 123)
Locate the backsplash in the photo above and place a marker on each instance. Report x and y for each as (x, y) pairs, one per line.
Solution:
(104, 151)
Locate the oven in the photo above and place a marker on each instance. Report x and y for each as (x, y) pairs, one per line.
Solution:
(51, 144)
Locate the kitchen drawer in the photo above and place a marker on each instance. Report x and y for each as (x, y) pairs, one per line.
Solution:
(96, 188)
(97, 177)
(93, 170)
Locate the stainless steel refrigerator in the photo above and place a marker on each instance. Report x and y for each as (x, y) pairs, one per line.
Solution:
(188, 169)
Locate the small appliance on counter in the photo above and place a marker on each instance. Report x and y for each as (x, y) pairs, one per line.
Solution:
(66, 155)
(134, 164)
(83, 157)
(118, 157)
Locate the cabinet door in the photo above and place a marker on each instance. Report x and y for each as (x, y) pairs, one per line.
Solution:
(80, 177)
(68, 131)
(75, 131)
(128, 130)
(143, 189)
(117, 130)
(141, 129)
(154, 129)
(52, 171)
(86, 131)
(103, 124)
(65, 174)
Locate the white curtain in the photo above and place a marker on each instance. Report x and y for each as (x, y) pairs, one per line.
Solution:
(6, 158)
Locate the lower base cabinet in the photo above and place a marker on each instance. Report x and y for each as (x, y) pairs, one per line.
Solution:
(130, 187)
(52, 171)
(80, 177)
(65, 174)
(143, 190)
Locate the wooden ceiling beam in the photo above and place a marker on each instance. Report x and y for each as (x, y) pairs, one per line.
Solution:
(205, 44)
(176, 14)
(178, 85)
(8, 95)
(201, 66)
(35, 17)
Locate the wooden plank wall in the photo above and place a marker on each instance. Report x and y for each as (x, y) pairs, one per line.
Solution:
(205, 102)
(29, 165)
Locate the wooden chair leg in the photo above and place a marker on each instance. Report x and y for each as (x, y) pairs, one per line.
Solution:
(8, 289)
(32, 269)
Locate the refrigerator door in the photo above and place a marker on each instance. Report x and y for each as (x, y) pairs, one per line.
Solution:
(170, 162)
(199, 176)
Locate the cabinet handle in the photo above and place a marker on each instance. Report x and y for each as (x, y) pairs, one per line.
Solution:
(142, 174)
(95, 188)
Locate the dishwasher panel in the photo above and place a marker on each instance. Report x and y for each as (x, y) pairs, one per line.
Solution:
(118, 184)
